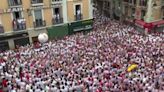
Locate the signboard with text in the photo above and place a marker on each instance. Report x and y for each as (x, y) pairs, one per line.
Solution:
(80, 26)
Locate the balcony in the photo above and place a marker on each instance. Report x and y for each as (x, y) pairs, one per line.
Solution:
(36, 2)
(78, 17)
(15, 3)
(57, 21)
(56, 1)
(19, 24)
(1, 29)
(39, 23)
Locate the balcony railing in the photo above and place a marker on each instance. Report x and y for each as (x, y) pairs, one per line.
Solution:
(19, 24)
(15, 2)
(78, 17)
(1, 29)
(39, 23)
(57, 21)
(36, 1)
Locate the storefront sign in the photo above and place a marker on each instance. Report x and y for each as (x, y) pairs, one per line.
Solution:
(83, 28)
(16, 9)
(80, 26)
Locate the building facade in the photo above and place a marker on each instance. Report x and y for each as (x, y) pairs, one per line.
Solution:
(21, 21)
(146, 15)
(110, 8)
(143, 14)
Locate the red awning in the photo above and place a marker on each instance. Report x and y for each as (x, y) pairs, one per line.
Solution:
(143, 24)
(148, 25)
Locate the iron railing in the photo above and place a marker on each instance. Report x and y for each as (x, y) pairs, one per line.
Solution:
(39, 23)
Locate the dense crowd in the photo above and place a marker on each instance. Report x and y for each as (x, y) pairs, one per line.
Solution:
(95, 62)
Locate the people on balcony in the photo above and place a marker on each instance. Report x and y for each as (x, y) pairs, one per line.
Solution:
(19, 24)
(78, 14)
(57, 18)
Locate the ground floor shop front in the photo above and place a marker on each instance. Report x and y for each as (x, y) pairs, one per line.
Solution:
(153, 27)
(17, 39)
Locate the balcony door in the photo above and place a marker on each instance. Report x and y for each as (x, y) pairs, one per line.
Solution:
(162, 12)
(143, 12)
(56, 12)
(18, 21)
(57, 15)
(38, 18)
(78, 14)
(78, 9)
(15, 2)
(17, 15)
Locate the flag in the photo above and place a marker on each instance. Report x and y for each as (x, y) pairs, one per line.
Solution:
(132, 67)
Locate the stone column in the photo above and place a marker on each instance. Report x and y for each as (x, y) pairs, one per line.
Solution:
(65, 18)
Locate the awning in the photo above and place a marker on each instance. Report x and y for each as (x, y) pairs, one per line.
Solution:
(143, 24)
(158, 23)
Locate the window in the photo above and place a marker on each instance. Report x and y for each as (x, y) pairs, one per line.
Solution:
(78, 15)
(36, 1)
(126, 10)
(125, 0)
(18, 21)
(15, 2)
(57, 16)
(134, 2)
(56, 11)
(78, 9)
(1, 27)
(133, 12)
(38, 15)
(130, 1)
(17, 15)
(143, 14)
(38, 18)
(143, 2)
(162, 12)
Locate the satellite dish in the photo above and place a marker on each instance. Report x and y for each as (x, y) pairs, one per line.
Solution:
(43, 37)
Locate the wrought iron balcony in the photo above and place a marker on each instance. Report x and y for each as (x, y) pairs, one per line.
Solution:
(39, 23)
(57, 21)
(78, 17)
(19, 24)
(15, 2)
